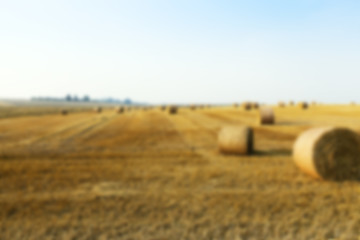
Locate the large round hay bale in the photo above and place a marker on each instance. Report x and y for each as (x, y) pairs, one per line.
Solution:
(98, 109)
(173, 109)
(246, 106)
(328, 153)
(303, 105)
(266, 115)
(235, 140)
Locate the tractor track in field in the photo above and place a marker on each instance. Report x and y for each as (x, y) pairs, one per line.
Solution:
(195, 134)
(63, 130)
(88, 130)
(179, 134)
(155, 129)
(120, 127)
(62, 138)
(77, 141)
(49, 136)
(146, 132)
(230, 118)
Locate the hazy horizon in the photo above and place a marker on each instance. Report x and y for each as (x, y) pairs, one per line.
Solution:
(181, 51)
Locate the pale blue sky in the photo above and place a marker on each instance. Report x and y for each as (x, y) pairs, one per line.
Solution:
(182, 51)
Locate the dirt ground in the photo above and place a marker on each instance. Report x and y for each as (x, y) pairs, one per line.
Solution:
(151, 175)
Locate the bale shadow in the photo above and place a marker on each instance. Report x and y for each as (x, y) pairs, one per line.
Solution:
(273, 152)
(260, 153)
(287, 123)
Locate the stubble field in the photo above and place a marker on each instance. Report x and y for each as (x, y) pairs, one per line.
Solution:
(151, 175)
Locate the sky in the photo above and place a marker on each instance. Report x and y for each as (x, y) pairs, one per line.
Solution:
(168, 51)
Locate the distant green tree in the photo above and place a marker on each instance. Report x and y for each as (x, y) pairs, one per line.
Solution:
(127, 101)
(86, 98)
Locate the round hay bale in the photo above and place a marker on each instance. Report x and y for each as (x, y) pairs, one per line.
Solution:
(173, 109)
(303, 105)
(98, 109)
(328, 153)
(235, 140)
(247, 106)
(192, 107)
(291, 103)
(64, 112)
(120, 109)
(266, 115)
(235, 105)
(255, 105)
(281, 104)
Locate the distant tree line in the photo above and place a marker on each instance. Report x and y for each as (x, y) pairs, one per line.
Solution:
(75, 98)
(86, 98)
(67, 98)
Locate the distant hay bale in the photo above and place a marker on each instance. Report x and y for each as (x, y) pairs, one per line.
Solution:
(291, 103)
(352, 103)
(193, 107)
(163, 108)
(173, 110)
(246, 106)
(235, 140)
(120, 109)
(255, 105)
(98, 109)
(328, 153)
(235, 105)
(266, 115)
(64, 112)
(281, 104)
(303, 105)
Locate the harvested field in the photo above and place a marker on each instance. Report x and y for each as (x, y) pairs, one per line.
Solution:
(151, 175)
